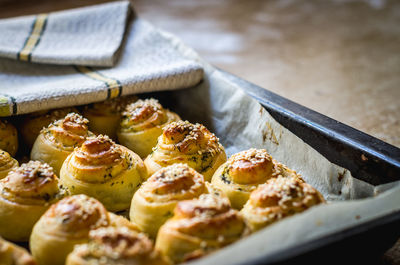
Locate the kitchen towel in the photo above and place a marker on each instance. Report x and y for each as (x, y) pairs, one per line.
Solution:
(86, 55)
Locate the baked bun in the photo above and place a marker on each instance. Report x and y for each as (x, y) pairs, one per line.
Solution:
(156, 199)
(105, 116)
(11, 254)
(198, 227)
(64, 225)
(26, 193)
(59, 139)
(142, 124)
(104, 170)
(7, 163)
(278, 198)
(8, 137)
(118, 221)
(116, 246)
(243, 172)
(192, 144)
(33, 123)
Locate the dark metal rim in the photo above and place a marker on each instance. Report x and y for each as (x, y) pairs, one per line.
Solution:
(295, 251)
(367, 157)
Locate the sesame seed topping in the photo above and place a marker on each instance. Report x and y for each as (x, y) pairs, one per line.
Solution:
(172, 172)
(75, 118)
(205, 206)
(285, 192)
(254, 156)
(186, 135)
(135, 108)
(79, 210)
(33, 170)
(119, 242)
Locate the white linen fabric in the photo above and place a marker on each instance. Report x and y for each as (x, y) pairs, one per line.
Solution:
(83, 56)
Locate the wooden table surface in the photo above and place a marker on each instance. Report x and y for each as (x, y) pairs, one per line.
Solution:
(338, 57)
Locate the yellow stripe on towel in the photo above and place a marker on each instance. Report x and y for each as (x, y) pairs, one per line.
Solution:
(34, 37)
(4, 106)
(113, 85)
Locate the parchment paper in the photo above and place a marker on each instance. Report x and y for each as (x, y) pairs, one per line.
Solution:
(241, 122)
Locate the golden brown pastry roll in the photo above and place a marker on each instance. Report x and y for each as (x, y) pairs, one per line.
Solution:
(26, 193)
(104, 117)
(116, 246)
(199, 227)
(8, 137)
(192, 144)
(7, 163)
(104, 170)
(11, 254)
(118, 221)
(156, 199)
(278, 198)
(64, 225)
(59, 139)
(142, 124)
(243, 172)
(33, 123)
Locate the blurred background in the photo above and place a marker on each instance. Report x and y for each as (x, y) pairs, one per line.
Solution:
(338, 57)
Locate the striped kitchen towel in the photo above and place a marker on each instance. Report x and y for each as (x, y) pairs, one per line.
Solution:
(86, 55)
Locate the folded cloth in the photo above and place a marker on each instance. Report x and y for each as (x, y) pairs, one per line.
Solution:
(46, 61)
(84, 36)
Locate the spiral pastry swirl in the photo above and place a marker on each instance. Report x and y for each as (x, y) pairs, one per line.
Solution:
(116, 246)
(192, 144)
(32, 124)
(11, 254)
(26, 193)
(59, 139)
(104, 170)
(7, 163)
(142, 124)
(104, 117)
(199, 227)
(243, 172)
(8, 137)
(156, 199)
(64, 225)
(278, 198)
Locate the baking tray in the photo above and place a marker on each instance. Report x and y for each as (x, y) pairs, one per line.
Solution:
(368, 158)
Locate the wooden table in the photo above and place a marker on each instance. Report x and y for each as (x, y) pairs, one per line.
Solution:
(340, 58)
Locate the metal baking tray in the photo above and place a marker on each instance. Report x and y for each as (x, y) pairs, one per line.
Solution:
(368, 158)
